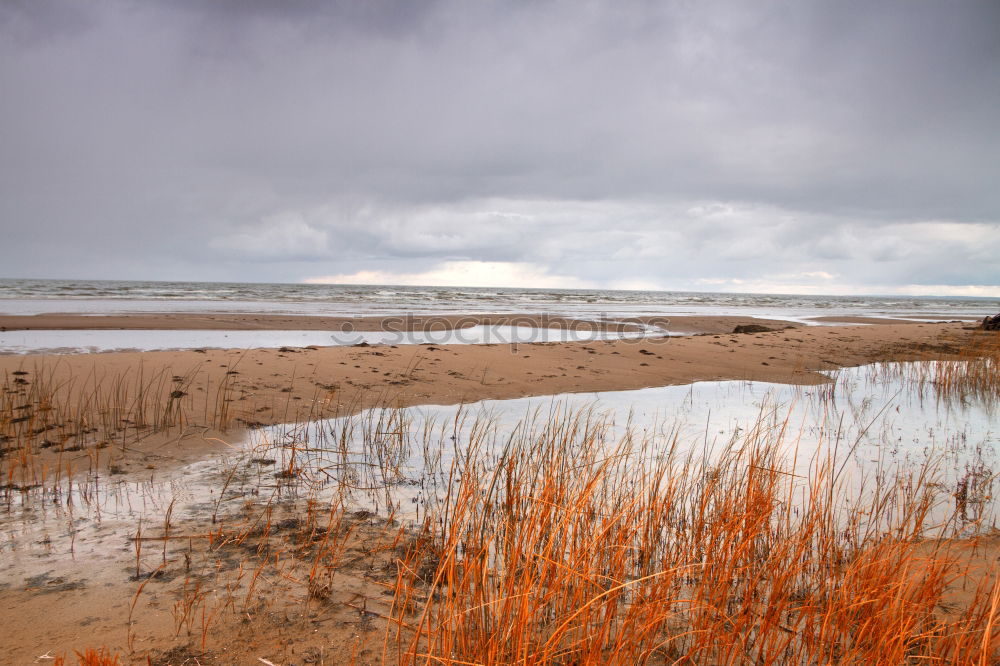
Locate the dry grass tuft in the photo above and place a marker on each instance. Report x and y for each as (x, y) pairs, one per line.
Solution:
(560, 551)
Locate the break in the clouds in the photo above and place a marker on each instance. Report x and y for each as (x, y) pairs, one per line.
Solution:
(768, 146)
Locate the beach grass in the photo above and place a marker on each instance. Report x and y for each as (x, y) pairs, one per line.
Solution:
(565, 552)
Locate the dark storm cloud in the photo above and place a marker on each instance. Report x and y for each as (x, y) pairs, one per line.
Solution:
(281, 140)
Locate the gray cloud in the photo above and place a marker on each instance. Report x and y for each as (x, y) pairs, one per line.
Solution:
(665, 142)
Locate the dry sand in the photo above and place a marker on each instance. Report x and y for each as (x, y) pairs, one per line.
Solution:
(51, 615)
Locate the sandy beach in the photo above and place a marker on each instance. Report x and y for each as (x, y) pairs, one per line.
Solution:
(450, 374)
(270, 386)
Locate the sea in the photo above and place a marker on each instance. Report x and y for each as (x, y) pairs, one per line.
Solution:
(28, 297)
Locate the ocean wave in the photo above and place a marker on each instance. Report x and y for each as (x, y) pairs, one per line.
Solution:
(93, 296)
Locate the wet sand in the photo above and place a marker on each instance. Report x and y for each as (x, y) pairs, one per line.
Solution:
(885, 320)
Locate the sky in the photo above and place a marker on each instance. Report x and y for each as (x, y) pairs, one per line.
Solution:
(793, 147)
